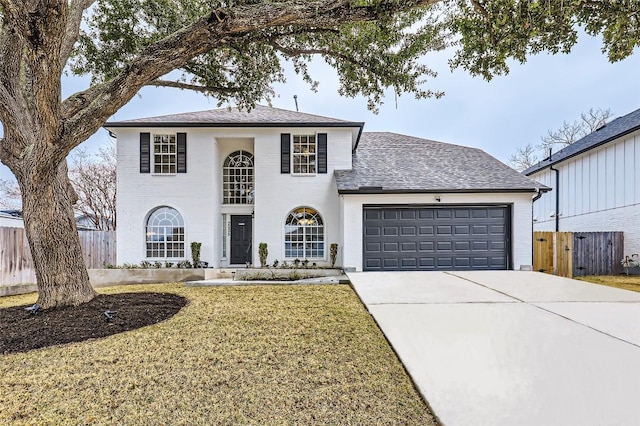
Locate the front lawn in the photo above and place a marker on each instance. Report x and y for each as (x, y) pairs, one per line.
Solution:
(234, 355)
(626, 282)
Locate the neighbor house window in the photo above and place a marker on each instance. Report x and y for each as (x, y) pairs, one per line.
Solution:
(304, 154)
(304, 234)
(164, 154)
(237, 178)
(165, 234)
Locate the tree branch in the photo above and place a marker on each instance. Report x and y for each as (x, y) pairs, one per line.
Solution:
(194, 87)
(72, 30)
(219, 28)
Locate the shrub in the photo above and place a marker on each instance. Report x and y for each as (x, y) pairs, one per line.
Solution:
(184, 264)
(263, 252)
(195, 253)
(333, 253)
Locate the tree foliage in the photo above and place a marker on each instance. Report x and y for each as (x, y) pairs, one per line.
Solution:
(492, 32)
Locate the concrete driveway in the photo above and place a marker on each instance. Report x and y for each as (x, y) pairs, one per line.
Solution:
(511, 347)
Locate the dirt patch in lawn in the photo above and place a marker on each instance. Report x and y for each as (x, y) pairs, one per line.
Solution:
(22, 331)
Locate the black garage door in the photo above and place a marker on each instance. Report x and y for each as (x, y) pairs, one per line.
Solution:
(436, 238)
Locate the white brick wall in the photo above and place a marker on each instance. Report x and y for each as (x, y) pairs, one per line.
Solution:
(521, 227)
(277, 194)
(197, 194)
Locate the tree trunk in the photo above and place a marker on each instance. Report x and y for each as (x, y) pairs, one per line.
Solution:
(47, 203)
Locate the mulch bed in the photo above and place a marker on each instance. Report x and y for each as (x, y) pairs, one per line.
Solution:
(22, 331)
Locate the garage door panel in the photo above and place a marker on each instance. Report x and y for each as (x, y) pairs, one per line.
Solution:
(462, 246)
(446, 238)
(373, 247)
(390, 263)
(427, 246)
(408, 231)
(372, 231)
(444, 213)
(408, 214)
(426, 213)
(408, 247)
(444, 230)
(462, 230)
(425, 230)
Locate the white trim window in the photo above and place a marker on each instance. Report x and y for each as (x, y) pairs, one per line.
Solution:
(165, 158)
(304, 234)
(237, 178)
(165, 234)
(304, 154)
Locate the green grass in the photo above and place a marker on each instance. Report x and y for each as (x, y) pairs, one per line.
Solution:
(626, 282)
(234, 355)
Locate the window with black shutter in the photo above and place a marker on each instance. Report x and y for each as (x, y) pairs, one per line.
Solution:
(285, 153)
(182, 152)
(322, 153)
(145, 152)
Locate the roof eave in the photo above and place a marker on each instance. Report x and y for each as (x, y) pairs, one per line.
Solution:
(580, 152)
(129, 124)
(441, 191)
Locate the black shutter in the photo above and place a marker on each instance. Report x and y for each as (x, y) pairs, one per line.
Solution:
(285, 153)
(322, 153)
(145, 152)
(182, 152)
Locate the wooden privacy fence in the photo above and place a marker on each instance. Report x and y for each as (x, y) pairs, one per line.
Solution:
(16, 265)
(576, 254)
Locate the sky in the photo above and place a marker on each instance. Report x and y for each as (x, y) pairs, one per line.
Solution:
(496, 116)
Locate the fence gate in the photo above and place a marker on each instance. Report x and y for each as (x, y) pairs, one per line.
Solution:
(576, 254)
(543, 252)
(564, 254)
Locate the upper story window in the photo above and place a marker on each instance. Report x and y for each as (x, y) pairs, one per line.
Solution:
(165, 234)
(304, 154)
(165, 158)
(163, 153)
(237, 178)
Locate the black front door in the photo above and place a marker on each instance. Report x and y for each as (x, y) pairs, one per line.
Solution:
(240, 239)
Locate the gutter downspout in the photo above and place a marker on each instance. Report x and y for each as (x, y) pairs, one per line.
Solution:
(533, 200)
(557, 189)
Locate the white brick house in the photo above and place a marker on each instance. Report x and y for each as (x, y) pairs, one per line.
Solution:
(594, 183)
(231, 179)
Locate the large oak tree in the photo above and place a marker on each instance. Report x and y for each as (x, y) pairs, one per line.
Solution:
(233, 50)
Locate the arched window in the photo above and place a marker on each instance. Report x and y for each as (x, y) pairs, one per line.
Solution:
(165, 234)
(304, 234)
(237, 178)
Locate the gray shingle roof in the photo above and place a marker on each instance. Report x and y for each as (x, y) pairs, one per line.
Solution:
(260, 116)
(389, 162)
(614, 130)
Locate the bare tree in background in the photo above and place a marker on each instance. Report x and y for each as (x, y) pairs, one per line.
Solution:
(568, 133)
(524, 157)
(9, 195)
(93, 177)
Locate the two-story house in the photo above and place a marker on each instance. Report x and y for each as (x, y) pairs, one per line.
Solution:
(232, 179)
(594, 183)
